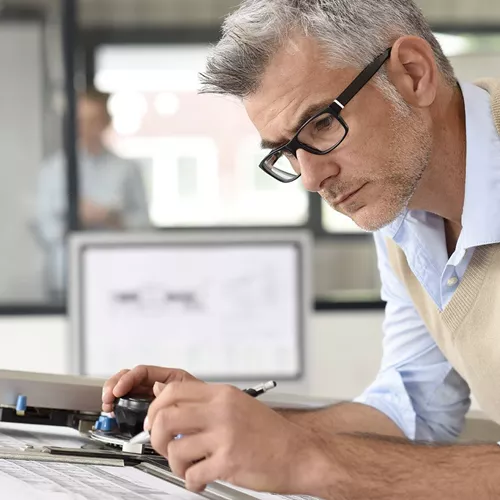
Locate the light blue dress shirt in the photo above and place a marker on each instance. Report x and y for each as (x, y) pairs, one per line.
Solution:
(416, 386)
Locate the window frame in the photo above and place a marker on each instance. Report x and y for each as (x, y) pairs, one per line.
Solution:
(93, 38)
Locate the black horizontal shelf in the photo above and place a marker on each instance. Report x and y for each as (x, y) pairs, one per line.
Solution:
(32, 310)
(60, 310)
(329, 305)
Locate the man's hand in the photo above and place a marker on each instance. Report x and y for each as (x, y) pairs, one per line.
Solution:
(228, 435)
(140, 381)
(93, 215)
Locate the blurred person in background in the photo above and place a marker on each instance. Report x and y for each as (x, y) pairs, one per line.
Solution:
(112, 194)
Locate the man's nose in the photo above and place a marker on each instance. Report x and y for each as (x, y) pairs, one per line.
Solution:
(314, 169)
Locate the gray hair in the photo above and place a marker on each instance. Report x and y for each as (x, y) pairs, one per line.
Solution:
(353, 33)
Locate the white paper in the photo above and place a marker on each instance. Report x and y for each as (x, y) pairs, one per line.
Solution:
(29, 480)
(270, 496)
(18, 435)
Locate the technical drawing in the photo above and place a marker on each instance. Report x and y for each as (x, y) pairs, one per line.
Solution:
(246, 294)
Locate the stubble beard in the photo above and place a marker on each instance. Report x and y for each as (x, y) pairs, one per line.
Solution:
(411, 147)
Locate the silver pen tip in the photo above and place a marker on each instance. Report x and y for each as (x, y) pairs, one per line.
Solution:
(269, 385)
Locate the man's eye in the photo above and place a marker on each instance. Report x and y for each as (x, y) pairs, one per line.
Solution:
(323, 123)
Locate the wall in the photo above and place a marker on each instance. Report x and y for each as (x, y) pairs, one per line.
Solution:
(206, 11)
(461, 11)
(158, 12)
(471, 67)
(21, 147)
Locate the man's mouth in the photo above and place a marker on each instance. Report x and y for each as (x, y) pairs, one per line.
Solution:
(346, 197)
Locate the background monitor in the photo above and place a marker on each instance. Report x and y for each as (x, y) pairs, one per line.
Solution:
(229, 307)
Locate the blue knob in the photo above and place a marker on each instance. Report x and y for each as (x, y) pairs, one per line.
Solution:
(106, 424)
(21, 404)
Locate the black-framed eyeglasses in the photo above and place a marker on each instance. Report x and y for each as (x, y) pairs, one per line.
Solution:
(321, 133)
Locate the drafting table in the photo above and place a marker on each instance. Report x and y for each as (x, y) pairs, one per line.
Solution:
(29, 479)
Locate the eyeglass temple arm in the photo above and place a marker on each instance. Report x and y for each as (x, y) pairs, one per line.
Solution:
(362, 79)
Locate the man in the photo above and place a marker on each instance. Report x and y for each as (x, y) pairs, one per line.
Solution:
(405, 151)
(112, 195)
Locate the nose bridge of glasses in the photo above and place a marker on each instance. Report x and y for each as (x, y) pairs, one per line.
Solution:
(293, 146)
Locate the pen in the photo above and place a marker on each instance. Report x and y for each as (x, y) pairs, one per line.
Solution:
(260, 389)
(144, 437)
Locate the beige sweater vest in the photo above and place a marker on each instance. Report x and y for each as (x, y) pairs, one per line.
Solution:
(468, 330)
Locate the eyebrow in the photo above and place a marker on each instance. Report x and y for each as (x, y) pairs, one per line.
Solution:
(309, 112)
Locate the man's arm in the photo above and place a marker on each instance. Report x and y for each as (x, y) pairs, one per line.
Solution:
(380, 468)
(345, 417)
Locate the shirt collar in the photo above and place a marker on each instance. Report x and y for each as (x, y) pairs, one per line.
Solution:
(481, 211)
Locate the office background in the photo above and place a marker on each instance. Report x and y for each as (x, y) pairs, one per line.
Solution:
(46, 46)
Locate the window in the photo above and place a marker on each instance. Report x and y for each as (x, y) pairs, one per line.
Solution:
(203, 149)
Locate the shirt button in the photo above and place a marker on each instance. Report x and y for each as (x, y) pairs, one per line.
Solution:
(452, 281)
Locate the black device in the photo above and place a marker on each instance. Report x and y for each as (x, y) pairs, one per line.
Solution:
(130, 413)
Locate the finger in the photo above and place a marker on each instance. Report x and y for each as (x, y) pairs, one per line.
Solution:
(183, 453)
(176, 393)
(157, 388)
(204, 472)
(107, 407)
(107, 391)
(173, 421)
(146, 376)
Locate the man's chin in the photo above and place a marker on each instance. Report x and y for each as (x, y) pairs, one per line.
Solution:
(367, 217)
(371, 221)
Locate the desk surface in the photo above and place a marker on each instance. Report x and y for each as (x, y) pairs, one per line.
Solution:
(28, 479)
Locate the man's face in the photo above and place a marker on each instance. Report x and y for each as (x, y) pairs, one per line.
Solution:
(374, 172)
(92, 121)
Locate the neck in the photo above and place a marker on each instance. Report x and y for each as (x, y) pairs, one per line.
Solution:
(442, 188)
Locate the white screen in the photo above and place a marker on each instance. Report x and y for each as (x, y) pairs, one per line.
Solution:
(220, 311)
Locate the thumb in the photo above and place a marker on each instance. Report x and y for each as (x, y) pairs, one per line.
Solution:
(157, 388)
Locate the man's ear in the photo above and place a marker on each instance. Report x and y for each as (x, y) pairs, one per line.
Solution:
(412, 69)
